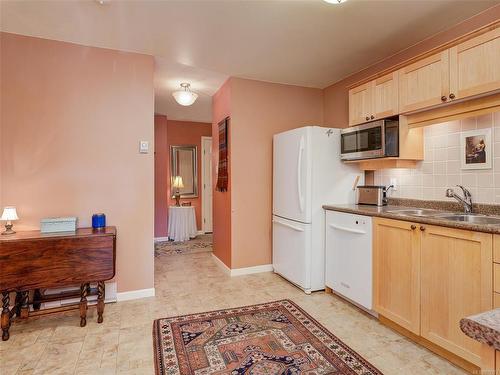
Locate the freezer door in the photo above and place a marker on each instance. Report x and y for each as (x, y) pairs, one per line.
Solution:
(292, 251)
(292, 174)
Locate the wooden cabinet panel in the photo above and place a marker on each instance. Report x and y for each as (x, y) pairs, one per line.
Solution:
(424, 83)
(456, 281)
(496, 248)
(360, 103)
(496, 277)
(497, 366)
(385, 96)
(396, 267)
(496, 300)
(475, 65)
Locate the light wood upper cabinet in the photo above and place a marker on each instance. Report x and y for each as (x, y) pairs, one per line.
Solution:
(374, 100)
(396, 268)
(424, 83)
(385, 96)
(475, 66)
(456, 281)
(360, 104)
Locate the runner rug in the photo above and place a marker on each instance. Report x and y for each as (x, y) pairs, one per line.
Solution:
(271, 338)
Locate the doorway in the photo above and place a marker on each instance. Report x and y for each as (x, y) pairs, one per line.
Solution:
(206, 176)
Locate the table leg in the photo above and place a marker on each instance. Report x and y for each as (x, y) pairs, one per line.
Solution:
(83, 304)
(37, 296)
(100, 300)
(5, 319)
(24, 304)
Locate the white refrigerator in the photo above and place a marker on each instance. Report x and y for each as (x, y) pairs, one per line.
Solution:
(307, 173)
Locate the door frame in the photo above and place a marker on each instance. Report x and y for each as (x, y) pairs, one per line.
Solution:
(203, 192)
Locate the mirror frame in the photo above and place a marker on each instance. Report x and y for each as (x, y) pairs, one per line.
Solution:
(174, 172)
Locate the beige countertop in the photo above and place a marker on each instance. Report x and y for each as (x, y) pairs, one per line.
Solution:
(385, 212)
(484, 327)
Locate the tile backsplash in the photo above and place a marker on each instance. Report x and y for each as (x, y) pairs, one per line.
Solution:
(441, 167)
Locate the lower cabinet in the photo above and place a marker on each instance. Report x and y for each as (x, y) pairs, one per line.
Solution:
(396, 271)
(456, 281)
(428, 277)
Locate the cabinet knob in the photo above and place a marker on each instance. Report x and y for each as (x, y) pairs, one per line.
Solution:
(452, 96)
(367, 118)
(422, 228)
(372, 117)
(413, 227)
(443, 98)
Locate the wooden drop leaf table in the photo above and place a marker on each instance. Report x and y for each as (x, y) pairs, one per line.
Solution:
(33, 261)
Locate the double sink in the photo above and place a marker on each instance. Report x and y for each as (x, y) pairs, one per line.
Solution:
(466, 218)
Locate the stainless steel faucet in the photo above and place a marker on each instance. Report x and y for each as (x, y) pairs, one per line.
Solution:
(466, 200)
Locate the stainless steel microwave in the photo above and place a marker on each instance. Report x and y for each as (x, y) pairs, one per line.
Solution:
(375, 139)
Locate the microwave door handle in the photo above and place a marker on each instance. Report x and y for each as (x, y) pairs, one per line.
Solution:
(382, 135)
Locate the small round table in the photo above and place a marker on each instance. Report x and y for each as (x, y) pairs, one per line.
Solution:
(181, 223)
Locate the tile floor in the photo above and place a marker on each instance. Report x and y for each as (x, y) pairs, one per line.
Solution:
(191, 283)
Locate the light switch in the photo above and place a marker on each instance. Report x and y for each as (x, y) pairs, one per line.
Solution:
(143, 147)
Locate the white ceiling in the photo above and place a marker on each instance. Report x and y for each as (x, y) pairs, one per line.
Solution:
(302, 42)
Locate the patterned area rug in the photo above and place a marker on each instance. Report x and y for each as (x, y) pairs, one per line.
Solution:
(199, 244)
(271, 338)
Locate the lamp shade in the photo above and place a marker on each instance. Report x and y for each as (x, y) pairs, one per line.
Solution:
(185, 96)
(9, 213)
(177, 183)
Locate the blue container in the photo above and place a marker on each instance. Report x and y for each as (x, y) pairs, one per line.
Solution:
(98, 221)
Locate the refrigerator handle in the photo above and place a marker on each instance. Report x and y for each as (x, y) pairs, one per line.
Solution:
(298, 229)
(299, 174)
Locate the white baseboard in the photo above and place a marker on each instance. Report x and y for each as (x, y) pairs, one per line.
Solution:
(221, 265)
(250, 270)
(241, 271)
(201, 232)
(160, 239)
(135, 294)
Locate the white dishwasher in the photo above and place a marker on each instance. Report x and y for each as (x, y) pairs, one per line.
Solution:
(348, 257)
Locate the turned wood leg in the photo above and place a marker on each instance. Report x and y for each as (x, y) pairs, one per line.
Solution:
(100, 300)
(24, 304)
(83, 305)
(37, 297)
(17, 304)
(5, 316)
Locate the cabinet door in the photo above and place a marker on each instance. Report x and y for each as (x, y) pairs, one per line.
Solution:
(360, 104)
(456, 281)
(475, 65)
(396, 267)
(424, 83)
(385, 96)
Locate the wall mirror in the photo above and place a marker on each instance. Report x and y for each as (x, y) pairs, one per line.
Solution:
(184, 163)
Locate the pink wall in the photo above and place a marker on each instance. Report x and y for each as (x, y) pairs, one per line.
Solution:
(162, 171)
(221, 108)
(336, 96)
(259, 110)
(74, 116)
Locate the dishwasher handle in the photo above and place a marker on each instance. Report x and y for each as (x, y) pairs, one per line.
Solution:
(338, 227)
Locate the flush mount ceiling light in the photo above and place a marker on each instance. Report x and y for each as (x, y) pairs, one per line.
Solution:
(185, 96)
(335, 1)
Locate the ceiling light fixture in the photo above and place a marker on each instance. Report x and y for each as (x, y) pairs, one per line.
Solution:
(185, 96)
(335, 1)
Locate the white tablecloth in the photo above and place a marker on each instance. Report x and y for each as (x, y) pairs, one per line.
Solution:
(181, 223)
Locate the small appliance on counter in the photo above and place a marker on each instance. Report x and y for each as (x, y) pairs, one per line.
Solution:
(375, 195)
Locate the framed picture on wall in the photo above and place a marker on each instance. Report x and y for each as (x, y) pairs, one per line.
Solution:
(476, 149)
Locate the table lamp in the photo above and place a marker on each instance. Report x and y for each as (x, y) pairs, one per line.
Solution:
(177, 184)
(9, 215)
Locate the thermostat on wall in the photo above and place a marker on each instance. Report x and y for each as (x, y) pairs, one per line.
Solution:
(143, 147)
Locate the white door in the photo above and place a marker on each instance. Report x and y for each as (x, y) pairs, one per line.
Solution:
(206, 165)
(292, 172)
(292, 251)
(348, 256)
